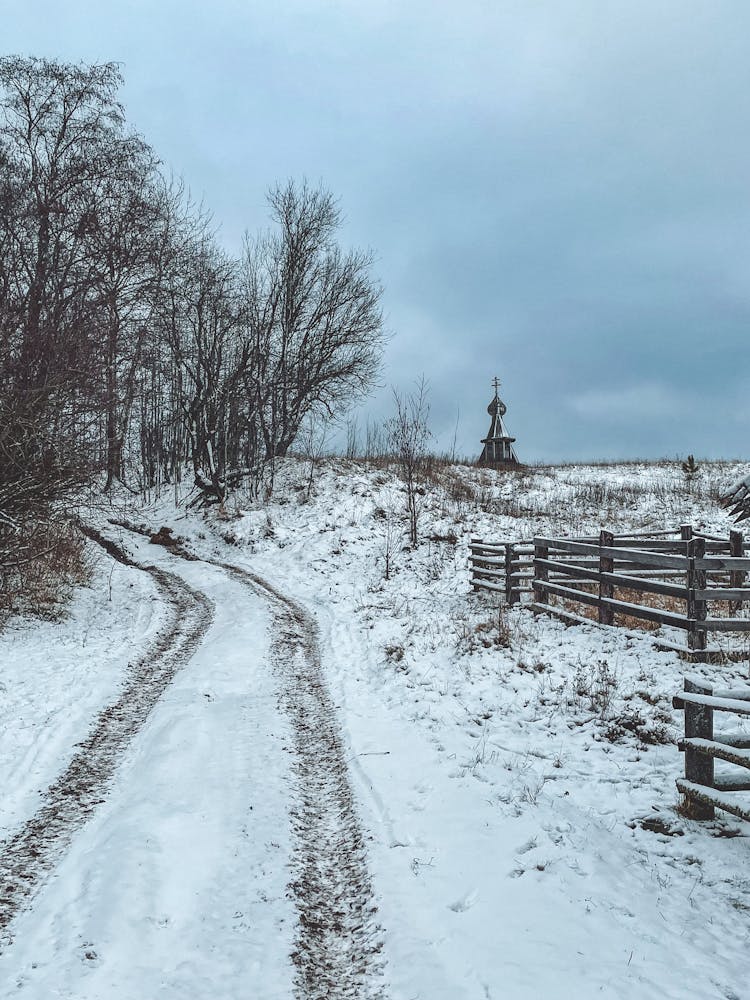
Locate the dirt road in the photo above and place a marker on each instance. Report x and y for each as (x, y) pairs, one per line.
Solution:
(32, 853)
(338, 941)
(335, 949)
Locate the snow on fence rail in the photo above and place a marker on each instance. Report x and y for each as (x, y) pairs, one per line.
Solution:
(507, 567)
(688, 574)
(703, 789)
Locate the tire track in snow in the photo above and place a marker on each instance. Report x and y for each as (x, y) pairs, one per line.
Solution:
(337, 951)
(338, 942)
(28, 856)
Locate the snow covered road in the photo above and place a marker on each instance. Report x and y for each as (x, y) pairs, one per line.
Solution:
(337, 942)
(225, 859)
(29, 855)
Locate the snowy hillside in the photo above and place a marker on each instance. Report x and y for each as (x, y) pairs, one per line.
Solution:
(513, 817)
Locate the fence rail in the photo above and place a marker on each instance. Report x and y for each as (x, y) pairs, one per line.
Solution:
(703, 789)
(613, 573)
(507, 567)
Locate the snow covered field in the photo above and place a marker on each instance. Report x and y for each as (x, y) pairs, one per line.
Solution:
(513, 778)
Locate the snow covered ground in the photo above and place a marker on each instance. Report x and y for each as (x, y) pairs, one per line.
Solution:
(56, 676)
(514, 778)
(177, 887)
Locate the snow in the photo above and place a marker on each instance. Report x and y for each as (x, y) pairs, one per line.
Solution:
(718, 704)
(730, 803)
(515, 778)
(178, 885)
(56, 677)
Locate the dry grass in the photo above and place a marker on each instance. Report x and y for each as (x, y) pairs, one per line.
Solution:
(40, 564)
(657, 602)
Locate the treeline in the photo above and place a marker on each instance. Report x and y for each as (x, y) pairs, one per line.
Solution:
(131, 343)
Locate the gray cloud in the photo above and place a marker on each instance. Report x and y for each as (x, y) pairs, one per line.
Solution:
(557, 192)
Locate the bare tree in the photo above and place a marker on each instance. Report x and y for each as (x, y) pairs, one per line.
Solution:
(56, 122)
(202, 326)
(126, 237)
(313, 439)
(314, 321)
(408, 434)
(127, 335)
(69, 192)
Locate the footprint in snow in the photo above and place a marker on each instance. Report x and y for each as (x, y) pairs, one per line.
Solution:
(465, 902)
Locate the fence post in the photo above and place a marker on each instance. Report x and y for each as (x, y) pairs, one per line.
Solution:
(512, 593)
(696, 607)
(472, 564)
(606, 565)
(686, 534)
(699, 724)
(508, 581)
(736, 577)
(541, 573)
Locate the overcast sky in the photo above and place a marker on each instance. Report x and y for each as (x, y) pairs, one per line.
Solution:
(556, 192)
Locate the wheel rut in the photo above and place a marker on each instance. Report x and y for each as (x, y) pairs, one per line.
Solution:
(29, 855)
(338, 943)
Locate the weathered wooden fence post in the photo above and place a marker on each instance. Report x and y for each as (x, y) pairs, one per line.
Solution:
(736, 577)
(541, 573)
(699, 724)
(512, 593)
(472, 563)
(696, 606)
(701, 605)
(686, 534)
(606, 565)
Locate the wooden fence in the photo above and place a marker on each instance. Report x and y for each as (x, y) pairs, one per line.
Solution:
(506, 567)
(687, 576)
(704, 790)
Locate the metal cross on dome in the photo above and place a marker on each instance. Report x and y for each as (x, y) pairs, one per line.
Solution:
(496, 383)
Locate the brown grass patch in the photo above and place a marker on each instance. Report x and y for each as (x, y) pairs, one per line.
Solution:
(656, 602)
(40, 564)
